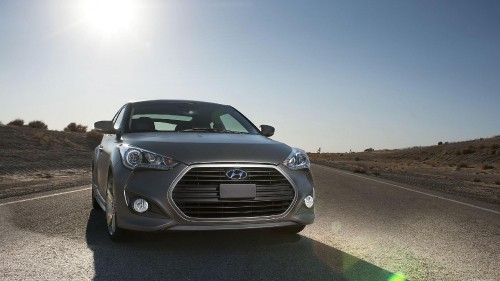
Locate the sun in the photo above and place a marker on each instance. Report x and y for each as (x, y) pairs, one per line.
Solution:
(109, 17)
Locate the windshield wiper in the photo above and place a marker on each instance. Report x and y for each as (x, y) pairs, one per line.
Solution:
(211, 130)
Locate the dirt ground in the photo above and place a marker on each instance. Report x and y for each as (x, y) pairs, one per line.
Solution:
(470, 169)
(33, 160)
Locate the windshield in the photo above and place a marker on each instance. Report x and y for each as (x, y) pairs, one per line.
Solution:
(187, 117)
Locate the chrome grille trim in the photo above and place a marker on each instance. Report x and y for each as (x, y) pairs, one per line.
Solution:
(277, 182)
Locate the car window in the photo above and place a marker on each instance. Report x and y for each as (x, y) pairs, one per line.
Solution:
(156, 121)
(231, 124)
(117, 120)
(187, 117)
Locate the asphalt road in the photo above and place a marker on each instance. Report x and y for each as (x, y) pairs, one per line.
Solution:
(366, 229)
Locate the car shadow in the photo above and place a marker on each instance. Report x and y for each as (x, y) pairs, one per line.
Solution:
(221, 255)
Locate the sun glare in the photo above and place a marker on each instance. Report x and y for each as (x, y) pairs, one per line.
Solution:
(109, 17)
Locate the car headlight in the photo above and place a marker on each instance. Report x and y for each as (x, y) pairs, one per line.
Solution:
(135, 157)
(297, 160)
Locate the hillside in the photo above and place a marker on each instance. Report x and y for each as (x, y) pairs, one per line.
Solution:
(469, 168)
(34, 160)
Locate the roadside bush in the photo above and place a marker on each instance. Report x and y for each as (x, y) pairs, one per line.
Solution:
(359, 171)
(356, 159)
(37, 124)
(71, 144)
(462, 165)
(440, 143)
(487, 167)
(18, 122)
(495, 146)
(369, 149)
(476, 180)
(93, 134)
(74, 128)
(468, 150)
(45, 138)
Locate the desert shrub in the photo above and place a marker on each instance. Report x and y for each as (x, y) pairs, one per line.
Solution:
(497, 182)
(37, 124)
(462, 165)
(369, 149)
(359, 171)
(495, 146)
(356, 159)
(476, 180)
(18, 122)
(376, 173)
(440, 143)
(44, 138)
(93, 134)
(71, 144)
(467, 150)
(482, 146)
(487, 167)
(73, 127)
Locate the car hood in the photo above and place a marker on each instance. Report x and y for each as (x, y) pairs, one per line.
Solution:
(191, 148)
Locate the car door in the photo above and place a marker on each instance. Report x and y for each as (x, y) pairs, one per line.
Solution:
(104, 151)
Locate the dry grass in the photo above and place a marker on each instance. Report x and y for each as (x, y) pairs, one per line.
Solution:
(471, 168)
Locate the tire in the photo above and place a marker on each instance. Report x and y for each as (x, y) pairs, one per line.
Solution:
(95, 205)
(290, 230)
(115, 233)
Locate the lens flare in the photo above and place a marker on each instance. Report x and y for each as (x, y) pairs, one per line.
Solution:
(398, 276)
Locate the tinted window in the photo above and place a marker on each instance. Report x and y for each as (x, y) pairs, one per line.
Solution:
(187, 117)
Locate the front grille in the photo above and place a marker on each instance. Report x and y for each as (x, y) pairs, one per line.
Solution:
(197, 193)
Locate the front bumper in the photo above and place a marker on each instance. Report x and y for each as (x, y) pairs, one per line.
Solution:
(157, 186)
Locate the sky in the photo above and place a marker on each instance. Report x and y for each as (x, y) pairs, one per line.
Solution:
(340, 75)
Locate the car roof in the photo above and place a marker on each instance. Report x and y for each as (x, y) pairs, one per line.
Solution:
(172, 102)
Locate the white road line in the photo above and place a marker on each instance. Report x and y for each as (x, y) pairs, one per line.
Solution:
(41, 197)
(412, 190)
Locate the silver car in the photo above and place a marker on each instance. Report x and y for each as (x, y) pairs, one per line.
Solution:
(190, 165)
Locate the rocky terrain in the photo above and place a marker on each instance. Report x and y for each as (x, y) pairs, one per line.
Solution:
(469, 168)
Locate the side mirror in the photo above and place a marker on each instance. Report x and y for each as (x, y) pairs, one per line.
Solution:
(267, 130)
(105, 127)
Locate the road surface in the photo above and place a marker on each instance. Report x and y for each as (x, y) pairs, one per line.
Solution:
(366, 229)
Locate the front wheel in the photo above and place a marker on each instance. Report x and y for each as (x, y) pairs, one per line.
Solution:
(115, 233)
(95, 204)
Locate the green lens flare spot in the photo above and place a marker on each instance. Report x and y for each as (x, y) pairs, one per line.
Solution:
(398, 276)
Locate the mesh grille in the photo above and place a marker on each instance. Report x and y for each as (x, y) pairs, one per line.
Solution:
(197, 193)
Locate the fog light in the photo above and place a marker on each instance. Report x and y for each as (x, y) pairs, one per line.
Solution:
(309, 201)
(140, 205)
